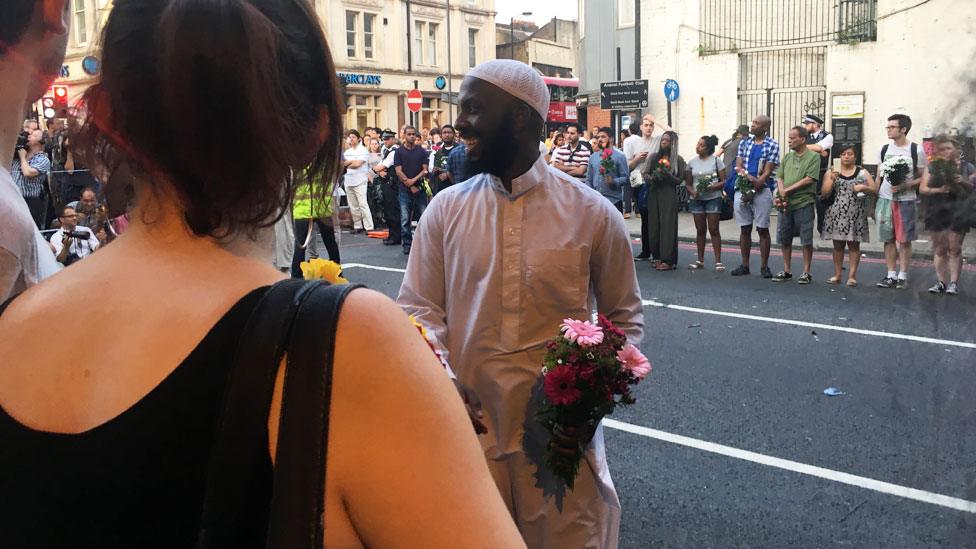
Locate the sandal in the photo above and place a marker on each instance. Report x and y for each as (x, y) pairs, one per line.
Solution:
(833, 280)
(696, 266)
(663, 266)
(720, 267)
(851, 282)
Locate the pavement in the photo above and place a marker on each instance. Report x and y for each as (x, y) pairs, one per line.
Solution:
(732, 441)
(922, 248)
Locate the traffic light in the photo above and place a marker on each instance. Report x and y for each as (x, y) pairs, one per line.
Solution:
(47, 102)
(60, 102)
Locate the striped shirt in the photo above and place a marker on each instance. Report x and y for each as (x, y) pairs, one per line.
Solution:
(32, 187)
(457, 164)
(580, 156)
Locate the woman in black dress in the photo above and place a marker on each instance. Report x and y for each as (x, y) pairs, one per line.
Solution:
(948, 215)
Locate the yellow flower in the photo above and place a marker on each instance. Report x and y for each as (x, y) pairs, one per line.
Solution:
(419, 326)
(323, 269)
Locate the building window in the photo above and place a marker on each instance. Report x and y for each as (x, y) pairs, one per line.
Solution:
(351, 17)
(80, 22)
(858, 21)
(418, 42)
(368, 21)
(625, 15)
(432, 43)
(472, 47)
(363, 112)
(431, 113)
(425, 43)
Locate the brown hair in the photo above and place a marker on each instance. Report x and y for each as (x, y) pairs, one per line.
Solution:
(220, 98)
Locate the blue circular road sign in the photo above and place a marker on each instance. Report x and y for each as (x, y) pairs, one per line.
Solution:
(671, 90)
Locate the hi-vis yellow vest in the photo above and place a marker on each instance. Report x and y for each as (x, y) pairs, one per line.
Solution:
(303, 206)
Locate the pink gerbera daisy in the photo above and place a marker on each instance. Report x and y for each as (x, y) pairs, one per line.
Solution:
(634, 361)
(582, 332)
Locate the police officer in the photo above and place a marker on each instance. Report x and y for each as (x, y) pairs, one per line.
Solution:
(388, 181)
(819, 142)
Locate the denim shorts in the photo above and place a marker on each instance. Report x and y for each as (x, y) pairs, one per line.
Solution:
(712, 206)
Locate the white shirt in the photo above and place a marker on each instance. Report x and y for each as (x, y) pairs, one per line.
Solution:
(20, 240)
(492, 280)
(636, 144)
(78, 247)
(827, 141)
(357, 176)
(884, 191)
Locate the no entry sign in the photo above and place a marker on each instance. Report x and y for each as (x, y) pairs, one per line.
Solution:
(414, 100)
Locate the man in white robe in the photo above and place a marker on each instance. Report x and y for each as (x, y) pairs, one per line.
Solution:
(498, 262)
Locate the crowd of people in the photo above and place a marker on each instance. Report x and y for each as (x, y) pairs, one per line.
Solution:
(816, 186)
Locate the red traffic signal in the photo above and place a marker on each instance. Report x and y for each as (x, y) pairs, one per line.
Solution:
(60, 101)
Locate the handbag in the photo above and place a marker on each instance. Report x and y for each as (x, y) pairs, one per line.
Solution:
(636, 179)
(299, 317)
(728, 207)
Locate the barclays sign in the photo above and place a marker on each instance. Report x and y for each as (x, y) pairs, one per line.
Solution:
(361, 79)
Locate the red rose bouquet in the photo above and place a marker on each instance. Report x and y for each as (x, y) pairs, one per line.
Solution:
(661, 172)
(606, 161)
(587, 372)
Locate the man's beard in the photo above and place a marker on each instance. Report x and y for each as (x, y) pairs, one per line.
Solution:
(498, 151)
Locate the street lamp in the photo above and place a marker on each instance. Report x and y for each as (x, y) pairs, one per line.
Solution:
(511, 31)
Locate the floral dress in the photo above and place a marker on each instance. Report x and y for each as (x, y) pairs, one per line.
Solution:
(847, 219)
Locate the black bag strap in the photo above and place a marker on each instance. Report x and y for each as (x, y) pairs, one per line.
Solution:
(914, 160)
(298, 503)
(241, 431)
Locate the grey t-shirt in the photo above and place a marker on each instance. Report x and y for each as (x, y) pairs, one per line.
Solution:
(704, 167)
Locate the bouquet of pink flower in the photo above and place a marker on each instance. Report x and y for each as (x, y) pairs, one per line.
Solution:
(587, 372)
(606, 161)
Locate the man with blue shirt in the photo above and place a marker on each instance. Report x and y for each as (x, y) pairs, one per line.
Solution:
(756, 159)
(610, 183)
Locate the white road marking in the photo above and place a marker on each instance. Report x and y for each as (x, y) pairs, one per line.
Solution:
(859, 331)
(373, 267)
(786, 321)
(796, 467)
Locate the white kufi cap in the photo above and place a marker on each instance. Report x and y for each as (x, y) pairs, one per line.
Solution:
(518, 79)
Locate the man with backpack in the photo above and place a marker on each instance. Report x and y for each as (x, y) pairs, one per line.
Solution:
(896, 211)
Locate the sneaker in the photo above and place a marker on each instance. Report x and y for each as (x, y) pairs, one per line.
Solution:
(901, 284)
(939, 288)
(741, 270)
(766, 273)
(782, 276)
(642, 257)
(886, 282)
(805, 278)
(952, 289)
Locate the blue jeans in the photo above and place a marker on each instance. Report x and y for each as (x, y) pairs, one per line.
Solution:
(411, 205)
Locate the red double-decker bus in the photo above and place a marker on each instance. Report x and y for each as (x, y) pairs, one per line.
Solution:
(562, 101)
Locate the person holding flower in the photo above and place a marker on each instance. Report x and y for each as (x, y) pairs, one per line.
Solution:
(948, 211)
(796, 183)
(608, 172)
(846, 220)
(704, 180)
(663, 172)
(491, 280)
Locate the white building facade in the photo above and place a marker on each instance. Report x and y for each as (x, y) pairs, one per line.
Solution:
(369, 41)
(852, 62)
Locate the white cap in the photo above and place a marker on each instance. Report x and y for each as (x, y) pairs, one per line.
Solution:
(518, 79)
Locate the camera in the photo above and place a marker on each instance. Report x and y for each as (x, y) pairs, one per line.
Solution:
(76, 234)
(21, 141)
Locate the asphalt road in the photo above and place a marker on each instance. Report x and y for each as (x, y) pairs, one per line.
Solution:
(724, 376)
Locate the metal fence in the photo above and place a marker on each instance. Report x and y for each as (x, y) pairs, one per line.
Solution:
(740, 25)
(784, 84)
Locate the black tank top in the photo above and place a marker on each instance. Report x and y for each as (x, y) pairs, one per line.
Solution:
(139, 479)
